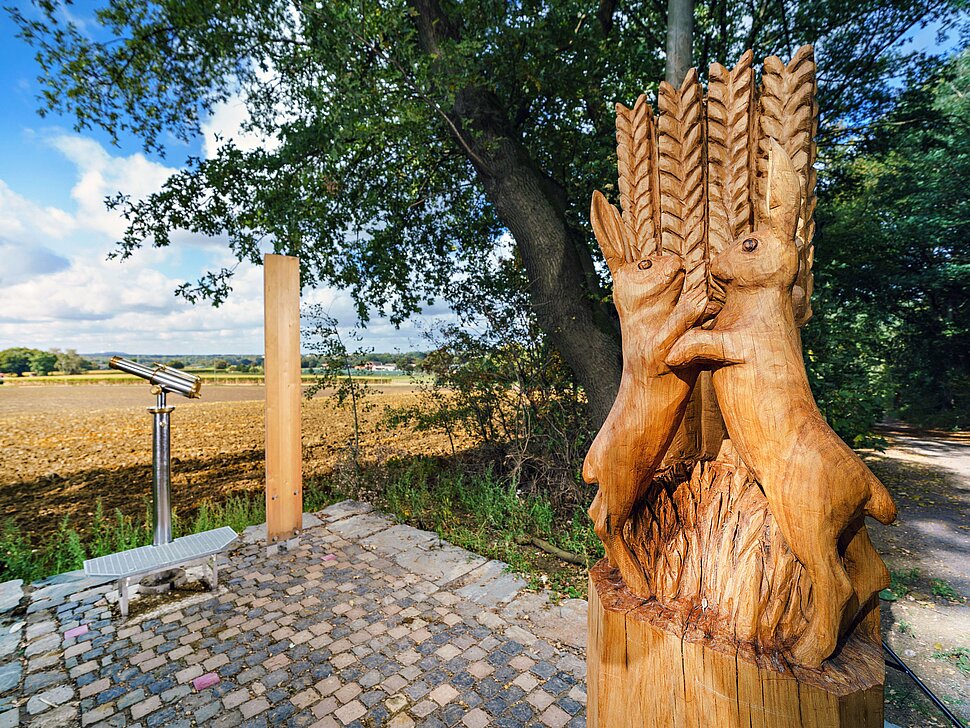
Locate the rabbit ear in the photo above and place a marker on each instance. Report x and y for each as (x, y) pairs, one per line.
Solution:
(783, 194)
(608, 228)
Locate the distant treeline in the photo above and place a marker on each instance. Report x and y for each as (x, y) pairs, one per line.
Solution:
(18, 361)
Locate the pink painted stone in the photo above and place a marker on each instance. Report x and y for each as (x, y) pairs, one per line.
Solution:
(205, 681)
(330, 557)
(76, 631)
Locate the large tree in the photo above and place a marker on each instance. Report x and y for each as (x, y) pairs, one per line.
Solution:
(409, 134)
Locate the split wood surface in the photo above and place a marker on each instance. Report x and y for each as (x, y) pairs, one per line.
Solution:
(284, 453)
(643, 669)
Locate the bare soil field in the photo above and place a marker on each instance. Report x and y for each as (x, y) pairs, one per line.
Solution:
(63, 447)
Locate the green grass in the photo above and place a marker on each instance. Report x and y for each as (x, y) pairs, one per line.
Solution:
(959, 656)
(901, 583)
(484, 513)
(20, 558)
(943, 590)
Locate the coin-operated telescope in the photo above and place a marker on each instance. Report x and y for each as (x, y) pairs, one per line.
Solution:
(163, 377)
(163, 380)
(165, 559)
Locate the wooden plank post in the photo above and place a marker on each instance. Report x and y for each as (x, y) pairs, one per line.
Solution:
(284, 451)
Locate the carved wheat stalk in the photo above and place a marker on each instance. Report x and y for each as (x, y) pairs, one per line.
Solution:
(729, 150)
(636, 155)
(680, 142)
(789, 115)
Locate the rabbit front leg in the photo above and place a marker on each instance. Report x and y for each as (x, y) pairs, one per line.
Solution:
(700, 346)
(690, 309)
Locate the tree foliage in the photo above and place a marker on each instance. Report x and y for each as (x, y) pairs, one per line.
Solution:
(404, 136)
(893, 262)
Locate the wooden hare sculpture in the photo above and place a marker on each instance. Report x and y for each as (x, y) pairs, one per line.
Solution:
(817, 488)
(652, 398)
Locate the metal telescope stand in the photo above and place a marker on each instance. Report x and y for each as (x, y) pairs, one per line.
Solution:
(164, 554)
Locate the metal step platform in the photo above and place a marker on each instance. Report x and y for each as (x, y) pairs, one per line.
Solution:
(145, 560)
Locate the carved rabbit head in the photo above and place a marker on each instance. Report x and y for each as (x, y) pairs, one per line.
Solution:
(768, 257)
(640, 281)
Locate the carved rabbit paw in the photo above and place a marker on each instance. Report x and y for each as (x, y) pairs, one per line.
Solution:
(682, 352)
(697, 304)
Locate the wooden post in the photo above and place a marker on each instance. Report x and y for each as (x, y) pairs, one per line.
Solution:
(646, 671)
(284, 451)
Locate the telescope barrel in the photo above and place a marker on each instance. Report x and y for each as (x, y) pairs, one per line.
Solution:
(172, 380)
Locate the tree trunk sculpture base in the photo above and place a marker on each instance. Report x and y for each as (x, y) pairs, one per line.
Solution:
(644, 673)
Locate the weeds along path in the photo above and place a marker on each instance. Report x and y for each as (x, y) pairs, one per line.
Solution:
(926, 618)
(63, 447)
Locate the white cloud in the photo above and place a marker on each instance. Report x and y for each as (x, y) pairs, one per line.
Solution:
(101, 175)
(58, 290)
(229, 121)
(27, 222)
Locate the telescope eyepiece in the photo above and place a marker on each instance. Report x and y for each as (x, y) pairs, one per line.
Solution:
(169, 379)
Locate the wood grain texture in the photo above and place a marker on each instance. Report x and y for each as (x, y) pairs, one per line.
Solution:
(644, 672)
(788, 115)
(284, 447)
(730, 147)
(683, 185)
(636, 155)
(650, 403)
(755, 544)
(817, 488)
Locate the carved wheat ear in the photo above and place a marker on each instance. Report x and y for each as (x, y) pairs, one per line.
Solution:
(636, 161)
(789, 115)
(783, 194)
(683, 202)
(730, 102)
(609, 230)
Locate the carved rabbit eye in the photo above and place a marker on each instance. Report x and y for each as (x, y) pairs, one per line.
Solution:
(749, 245)
(644, 264)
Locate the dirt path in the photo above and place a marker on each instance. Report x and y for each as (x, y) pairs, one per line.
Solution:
(928, 553)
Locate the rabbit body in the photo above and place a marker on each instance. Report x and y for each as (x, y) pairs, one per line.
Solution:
(817, 488)
(650, 403)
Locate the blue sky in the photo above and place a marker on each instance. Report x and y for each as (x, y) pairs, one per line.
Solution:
(56, 287)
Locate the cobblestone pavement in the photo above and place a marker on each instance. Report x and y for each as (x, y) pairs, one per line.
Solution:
(363, 623)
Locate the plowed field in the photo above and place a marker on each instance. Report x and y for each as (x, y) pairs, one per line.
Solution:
(63, 447)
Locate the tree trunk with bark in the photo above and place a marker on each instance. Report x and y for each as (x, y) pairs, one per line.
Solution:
(532, 206)
(680, 39)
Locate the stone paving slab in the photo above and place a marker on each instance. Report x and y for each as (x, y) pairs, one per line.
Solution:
(257, 534)
(490, 584)
(11, 592)
(400, 538)
(362, 623)
(343, 509)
